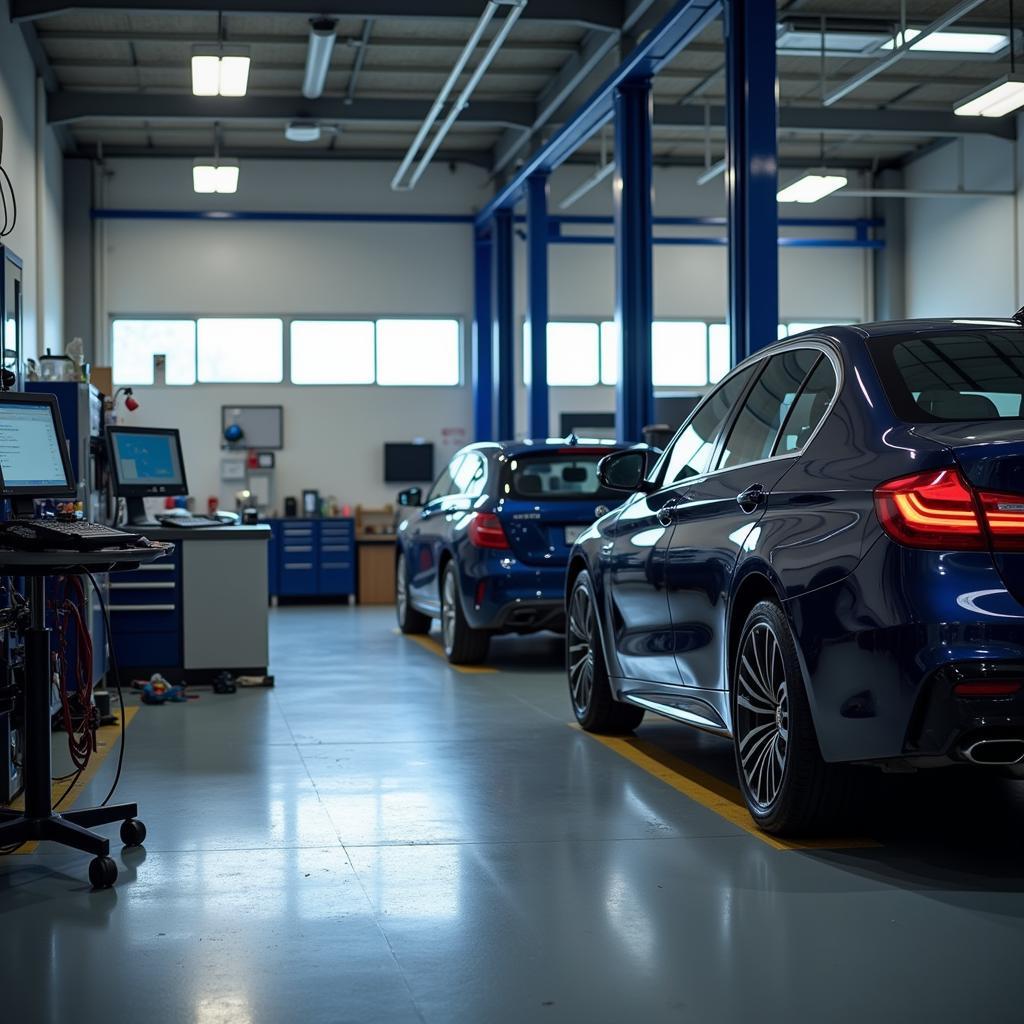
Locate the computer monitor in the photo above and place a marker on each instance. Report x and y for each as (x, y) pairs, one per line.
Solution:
(34, 459)
(145, 462)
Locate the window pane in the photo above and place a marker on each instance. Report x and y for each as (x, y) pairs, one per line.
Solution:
(753, 435)
(240, 351)
(719, 351)
(332, 352)
(424, 352)
(809, 408)
(783, 331)
(135, 342)
(691, 451)
(573, 354)
(609, 352)
(679, 353)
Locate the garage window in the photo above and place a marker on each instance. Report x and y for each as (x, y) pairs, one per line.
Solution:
(333, 352)
(418, 352)
(136, 342)
(239, 351)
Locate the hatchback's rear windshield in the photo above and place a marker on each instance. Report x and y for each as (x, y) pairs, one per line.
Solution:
(554, 476)
(966, 375)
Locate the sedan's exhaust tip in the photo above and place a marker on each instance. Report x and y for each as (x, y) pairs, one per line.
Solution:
(995, 752)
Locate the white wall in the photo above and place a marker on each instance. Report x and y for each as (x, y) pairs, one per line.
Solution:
(334, 435)
(32, 158)
(963, 255)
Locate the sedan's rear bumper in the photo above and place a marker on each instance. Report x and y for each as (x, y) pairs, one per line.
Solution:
(881, 647)
(503, 595)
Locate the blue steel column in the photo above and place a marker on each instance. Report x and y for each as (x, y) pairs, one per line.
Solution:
(537, 304)
(751, 175)
(483, 351)
(634, 272)
(503, 330)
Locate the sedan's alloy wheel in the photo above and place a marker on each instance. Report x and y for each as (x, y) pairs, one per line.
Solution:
(448, 599)
(581, 654)
(762, 714)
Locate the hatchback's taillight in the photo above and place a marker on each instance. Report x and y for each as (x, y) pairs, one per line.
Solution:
(485, 531)
(939, 509)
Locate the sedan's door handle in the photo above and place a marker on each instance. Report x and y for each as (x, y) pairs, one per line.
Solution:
(666, 514)
(752, 498)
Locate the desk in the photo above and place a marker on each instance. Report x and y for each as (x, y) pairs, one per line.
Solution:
(39, 821)
(199, 613)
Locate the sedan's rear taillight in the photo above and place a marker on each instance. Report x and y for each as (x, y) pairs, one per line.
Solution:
(485, 531)
(939, 509)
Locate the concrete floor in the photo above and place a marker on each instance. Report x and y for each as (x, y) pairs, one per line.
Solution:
(381, 838)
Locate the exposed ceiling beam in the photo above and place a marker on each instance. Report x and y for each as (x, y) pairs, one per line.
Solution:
(75, 106)
(596, 13)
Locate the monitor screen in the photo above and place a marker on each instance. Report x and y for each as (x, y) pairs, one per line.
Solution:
(33, 452)
(147, 461)
(408, 463)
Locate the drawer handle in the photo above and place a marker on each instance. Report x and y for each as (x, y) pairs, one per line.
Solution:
(336, 547)
(298, 565)
(142, 608)
(336, 565)
(142, 586)
(298, 547)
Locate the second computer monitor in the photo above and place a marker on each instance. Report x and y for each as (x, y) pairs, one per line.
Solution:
(145, 462)
(34, 459)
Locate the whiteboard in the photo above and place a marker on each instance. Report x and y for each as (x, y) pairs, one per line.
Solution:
(262, 425)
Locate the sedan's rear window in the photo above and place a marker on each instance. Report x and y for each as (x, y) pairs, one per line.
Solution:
(551, 477)
(967, 375)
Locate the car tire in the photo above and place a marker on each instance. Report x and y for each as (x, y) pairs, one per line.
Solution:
(462, 644)
(788, 787)
(410, 621)
(590, 691)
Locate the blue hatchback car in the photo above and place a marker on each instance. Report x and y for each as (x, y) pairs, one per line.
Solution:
(826, 565)
(486, 550)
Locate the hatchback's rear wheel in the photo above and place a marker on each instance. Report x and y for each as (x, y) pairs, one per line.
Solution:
(462, 644)
(589, 687)
(409, 620)
(787, 785)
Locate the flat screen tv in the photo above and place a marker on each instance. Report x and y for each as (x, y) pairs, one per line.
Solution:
(408, 463)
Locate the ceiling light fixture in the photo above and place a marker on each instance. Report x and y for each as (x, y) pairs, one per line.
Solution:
(220, 71)
(996, 99)
(811, 187)
(950, 42)
(218, 175)
(302, 131)
(1002, 96)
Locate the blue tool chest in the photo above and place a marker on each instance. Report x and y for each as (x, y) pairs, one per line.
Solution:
(145, 613)
(312, 558)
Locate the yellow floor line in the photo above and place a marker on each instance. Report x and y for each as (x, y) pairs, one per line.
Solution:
(107, 738)
(711, 792)
(428, 643)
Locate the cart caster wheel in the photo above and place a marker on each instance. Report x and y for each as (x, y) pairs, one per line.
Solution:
(102, 872)
(133, 832)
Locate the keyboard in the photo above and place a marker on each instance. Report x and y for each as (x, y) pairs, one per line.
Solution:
(187, 522)
(63, 535)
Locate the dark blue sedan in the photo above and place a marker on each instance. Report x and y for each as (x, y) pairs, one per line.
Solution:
(486, 550)
(826, 565)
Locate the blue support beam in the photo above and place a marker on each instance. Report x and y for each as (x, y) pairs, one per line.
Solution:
(634, 264)
(751, 175)
(483, 344)
(657, 48)
(536, 354)
(503, 326)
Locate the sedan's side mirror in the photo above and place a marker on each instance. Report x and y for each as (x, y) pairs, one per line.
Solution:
(626, 471)
(411, 497)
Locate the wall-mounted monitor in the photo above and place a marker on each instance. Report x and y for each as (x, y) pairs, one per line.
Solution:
(261, 426)
(408, 463)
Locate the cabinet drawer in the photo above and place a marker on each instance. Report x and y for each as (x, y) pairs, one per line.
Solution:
(154, 617)
(158, 649)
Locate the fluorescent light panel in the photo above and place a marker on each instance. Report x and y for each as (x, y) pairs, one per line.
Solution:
(811, 187)
(221, 178)
(952, 42)
(995, 100)
(215, 75)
